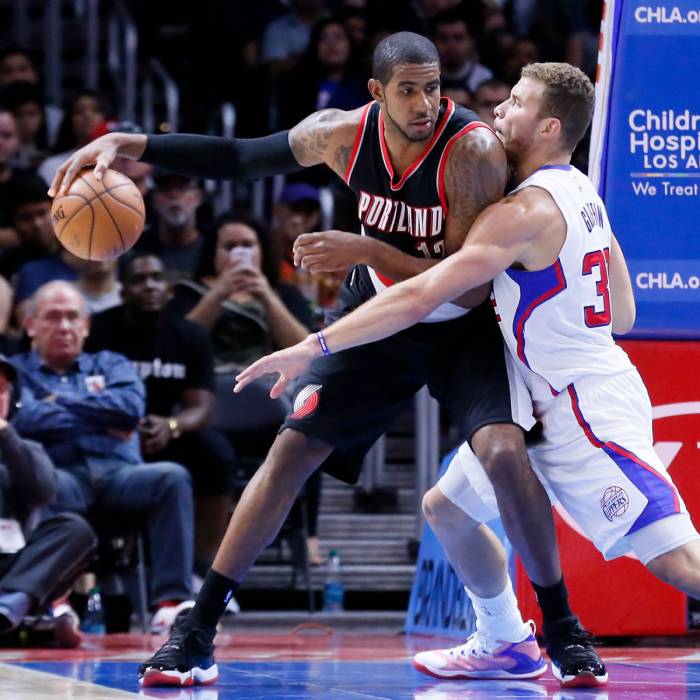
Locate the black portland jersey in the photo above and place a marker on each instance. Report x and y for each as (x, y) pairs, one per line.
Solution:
(409, 212)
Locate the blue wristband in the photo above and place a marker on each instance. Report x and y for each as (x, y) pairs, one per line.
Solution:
(322, 343)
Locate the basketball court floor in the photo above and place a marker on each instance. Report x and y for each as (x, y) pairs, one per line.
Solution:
(312, 662)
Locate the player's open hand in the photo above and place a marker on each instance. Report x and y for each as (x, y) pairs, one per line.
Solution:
(329, 251)
(100, 153)
(289, 363)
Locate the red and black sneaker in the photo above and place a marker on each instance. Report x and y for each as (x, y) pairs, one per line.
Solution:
(186, 659)
(575, 663)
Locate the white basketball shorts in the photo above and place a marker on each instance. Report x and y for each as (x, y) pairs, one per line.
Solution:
(598, 462)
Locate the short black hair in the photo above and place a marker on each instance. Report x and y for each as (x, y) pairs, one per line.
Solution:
(28, 189)
(402, 47)
(128, 265)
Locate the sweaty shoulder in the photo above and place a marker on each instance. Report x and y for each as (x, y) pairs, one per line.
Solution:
(326, 137)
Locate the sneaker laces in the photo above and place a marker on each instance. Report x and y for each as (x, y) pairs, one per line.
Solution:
(477, 644)
(175, 642)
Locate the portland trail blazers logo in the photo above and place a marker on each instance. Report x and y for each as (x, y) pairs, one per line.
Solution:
(306, 401)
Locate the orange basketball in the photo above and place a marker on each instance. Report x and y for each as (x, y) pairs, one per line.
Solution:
(98, 219)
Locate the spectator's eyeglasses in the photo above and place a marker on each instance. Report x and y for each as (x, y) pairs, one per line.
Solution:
(56, 317)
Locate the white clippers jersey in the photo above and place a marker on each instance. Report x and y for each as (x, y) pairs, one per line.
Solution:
(557, 321)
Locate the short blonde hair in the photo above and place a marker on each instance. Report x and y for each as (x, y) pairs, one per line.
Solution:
(568, 95)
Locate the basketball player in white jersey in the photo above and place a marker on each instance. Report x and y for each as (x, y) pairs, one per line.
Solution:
(560, 287)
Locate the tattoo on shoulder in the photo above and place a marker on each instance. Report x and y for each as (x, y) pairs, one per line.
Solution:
(475, 177)
(309, 140)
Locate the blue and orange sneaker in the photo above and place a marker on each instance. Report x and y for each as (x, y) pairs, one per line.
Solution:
(486, 658)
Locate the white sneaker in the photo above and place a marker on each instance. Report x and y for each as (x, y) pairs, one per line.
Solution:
(164, 617)
(484, 657)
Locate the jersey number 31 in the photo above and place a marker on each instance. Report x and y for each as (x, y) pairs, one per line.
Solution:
(599, 259)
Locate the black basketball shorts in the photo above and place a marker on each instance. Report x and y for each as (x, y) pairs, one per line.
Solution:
(351, 398)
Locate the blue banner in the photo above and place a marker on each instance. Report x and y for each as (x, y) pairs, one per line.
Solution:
(645, 156)
(438, 603)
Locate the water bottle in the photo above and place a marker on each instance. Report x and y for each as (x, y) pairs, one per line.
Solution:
(333, 591)
(94, 618)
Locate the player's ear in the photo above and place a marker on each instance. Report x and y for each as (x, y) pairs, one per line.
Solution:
(552, 127)
(376, 89)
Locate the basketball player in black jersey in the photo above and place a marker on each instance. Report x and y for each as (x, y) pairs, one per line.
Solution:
(423, 170)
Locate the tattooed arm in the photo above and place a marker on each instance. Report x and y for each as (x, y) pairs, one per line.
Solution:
(475, 177)
(324, 137)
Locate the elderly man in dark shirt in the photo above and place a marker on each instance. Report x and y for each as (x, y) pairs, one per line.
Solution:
(85, 408)
(37, 564)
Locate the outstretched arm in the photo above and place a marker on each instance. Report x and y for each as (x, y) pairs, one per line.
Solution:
(323, 137)
(500, 236)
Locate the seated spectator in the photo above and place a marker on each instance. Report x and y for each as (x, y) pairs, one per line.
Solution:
(38, 563)
(84, 120)
(247, 314)
(327, 75)
(97, 282)
(285, 38)
(11, 177)
(31, 217)
(26, 102)
(174, 358)
(85, 409)
(177, 240)
(60, 265)
(489, 95)
(17, 66)
(455, 44)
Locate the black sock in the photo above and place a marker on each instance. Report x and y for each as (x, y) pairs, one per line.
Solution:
(212, 599)
(553, 601)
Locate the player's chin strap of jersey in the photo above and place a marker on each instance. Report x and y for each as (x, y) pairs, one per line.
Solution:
(220, 158)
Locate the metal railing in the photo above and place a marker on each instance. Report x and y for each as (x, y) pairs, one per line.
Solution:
(427, 449)
(122, 57)
(156, 73)
(53, 47)
(88, 12)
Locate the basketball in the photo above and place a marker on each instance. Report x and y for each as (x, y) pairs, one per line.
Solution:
(98, 219)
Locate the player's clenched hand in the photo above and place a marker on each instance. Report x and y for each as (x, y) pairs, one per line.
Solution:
(100, 153)
(329, 251)
(290, 363)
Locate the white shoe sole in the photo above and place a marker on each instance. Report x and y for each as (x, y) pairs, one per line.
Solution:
(196, 676)
(490, 674)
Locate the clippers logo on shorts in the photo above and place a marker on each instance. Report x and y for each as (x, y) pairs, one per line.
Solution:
(306, 401)
(614, 502)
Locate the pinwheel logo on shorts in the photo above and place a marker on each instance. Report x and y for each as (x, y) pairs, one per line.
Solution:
(306, 401)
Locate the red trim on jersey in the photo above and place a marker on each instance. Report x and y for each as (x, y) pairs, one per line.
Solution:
(443, 160)
(359, 136)
(449, 111)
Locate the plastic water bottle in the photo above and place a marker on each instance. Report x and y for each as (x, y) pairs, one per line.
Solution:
(333, 591)
(94, 619)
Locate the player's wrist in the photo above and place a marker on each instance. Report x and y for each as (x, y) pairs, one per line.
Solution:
(313, 347)
(130, 145)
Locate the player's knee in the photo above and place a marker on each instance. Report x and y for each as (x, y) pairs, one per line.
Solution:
(680, 568)
(440, 512)
(502, 458)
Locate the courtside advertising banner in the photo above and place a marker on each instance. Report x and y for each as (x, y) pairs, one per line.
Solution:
(645, 155)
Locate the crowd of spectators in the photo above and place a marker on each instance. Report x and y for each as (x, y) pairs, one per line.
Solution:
(133, 355)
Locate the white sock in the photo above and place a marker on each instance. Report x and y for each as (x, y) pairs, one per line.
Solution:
(500, 616)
